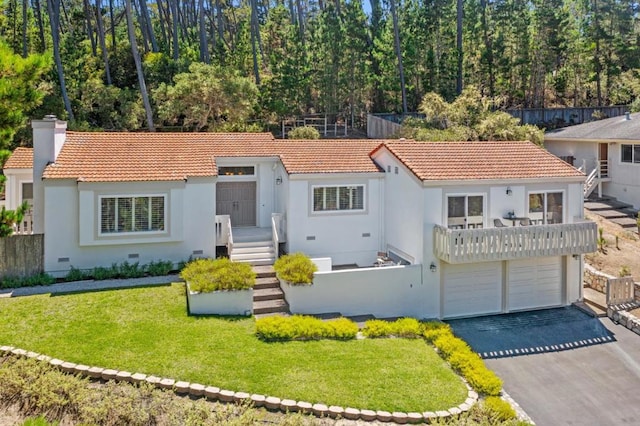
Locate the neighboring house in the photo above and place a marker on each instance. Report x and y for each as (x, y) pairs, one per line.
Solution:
(18, 171)
(428, 209)
(608, 151)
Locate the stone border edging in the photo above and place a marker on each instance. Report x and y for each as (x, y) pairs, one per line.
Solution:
(228, 396)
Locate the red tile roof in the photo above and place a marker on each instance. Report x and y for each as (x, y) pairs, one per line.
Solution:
(21, 158)
(479, 160)
(121, 157)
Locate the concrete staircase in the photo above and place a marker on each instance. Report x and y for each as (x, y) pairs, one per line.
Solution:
(611, 209)
(253, 252)
(268, 298)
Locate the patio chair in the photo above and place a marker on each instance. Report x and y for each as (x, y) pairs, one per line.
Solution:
(525, 221)
(498, 223)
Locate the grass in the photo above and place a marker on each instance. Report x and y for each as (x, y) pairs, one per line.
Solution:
(147, 330)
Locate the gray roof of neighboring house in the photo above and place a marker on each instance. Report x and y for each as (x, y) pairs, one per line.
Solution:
(618, 128)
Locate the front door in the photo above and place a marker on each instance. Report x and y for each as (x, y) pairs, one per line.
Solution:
(603, 157)
(238, 200)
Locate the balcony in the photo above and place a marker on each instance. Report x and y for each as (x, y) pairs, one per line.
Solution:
(489, 244)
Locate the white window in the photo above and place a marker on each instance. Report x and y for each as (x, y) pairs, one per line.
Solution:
(132, 214)
(545, 207)
(336, 198)
(465, 211)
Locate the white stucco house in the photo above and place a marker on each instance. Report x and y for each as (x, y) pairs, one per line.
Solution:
(401, 228)
(608, 151)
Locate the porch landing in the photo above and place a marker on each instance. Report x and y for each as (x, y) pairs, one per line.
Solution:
(250, 234)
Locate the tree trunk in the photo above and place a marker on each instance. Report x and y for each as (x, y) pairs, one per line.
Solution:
(53, 7)
(25, 20)
(173, 5)
(220, 21)
(103, 43)
(488, 47)
(142, 25)
(163, 19)
(113, 26)
(301, 22)
(136, 58)
(204, 47)
(459, 17)
(43, 44)
(87, 15)
(396, 39)
(144, 11)
(255, 29)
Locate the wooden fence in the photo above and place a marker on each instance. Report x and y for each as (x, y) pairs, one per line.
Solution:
(620, 291)
(21, 255)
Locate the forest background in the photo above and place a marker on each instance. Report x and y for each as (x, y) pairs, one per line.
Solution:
(231, 65)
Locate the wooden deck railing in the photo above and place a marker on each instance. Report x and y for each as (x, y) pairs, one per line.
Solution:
(488, 244)
(620, 290)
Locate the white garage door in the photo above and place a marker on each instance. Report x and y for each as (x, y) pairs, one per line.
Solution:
(472, 289)
(534, 283)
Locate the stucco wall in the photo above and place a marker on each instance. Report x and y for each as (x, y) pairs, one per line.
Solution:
(625, 178)
(13, 186)
(346, 237)
(582, 151)
(71, 222)
(384, 292)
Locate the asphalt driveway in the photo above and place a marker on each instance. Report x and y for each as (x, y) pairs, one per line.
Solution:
(562, 366)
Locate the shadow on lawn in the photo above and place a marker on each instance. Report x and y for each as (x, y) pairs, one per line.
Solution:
(527, 333)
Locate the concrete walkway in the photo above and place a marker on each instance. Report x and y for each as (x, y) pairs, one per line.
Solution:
(563, 366)
(89, 285)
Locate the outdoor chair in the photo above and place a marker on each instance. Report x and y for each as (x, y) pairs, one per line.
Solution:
(498, 223)
(525, 222)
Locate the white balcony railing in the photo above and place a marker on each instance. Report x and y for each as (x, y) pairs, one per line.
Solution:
(488, 244)
(24, 227)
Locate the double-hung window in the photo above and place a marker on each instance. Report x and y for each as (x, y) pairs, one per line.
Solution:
(132, 214)
(338, 198)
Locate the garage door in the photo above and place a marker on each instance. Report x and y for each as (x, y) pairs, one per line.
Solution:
(472, 289)
(534, 283)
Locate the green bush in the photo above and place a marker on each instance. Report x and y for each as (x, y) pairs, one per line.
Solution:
(39, 421)
(131, 270)
(500, 409)
(296, 268)
(76, 274)
(300, 327)
(463, 360)
(101, 273)
(407, 327)
(207, 275)
(159, 268)
(30, 281)
(377, 328)
(433, 329)
(304, 132)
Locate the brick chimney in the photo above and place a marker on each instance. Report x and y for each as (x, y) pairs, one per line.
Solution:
(49, 135)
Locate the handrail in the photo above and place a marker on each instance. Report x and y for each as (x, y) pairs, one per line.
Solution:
(489, 244)
(274, 235)
(591, 181)
(230, 236)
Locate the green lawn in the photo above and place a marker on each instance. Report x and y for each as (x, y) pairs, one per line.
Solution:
(147, 330)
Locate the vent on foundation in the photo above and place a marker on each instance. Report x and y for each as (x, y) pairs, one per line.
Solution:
(133, 255)
(63, 259)
(311, 237)
(196, 252)
(366, 234)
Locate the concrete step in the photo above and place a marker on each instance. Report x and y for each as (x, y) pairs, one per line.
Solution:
(258, 261)
(264, 271)
(625, 222)
(270, 293)
(611, 214)
(604, 203)
(272, 314)
(597, 309)
(253, 244)
(257, 249)
(266, 282)
(270, 306)
(590, 309)
(594, 298)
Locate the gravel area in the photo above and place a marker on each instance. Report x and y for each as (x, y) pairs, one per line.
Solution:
(89, 285)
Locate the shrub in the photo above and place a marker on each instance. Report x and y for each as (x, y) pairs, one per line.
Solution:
(101, 273)
(462, 359)
(296, 268)
(300, 327)
(304, 132)
(376, 328)
(207, 275)
(30, 281)
(131, 270)
(500, 409)
(159, 268)
(76, 274)
(434, 329)
(624, 271)
(407, 327)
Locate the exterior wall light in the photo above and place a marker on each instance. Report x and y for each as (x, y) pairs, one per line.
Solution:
(279, 180)
(433, 267)
(509, 191)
